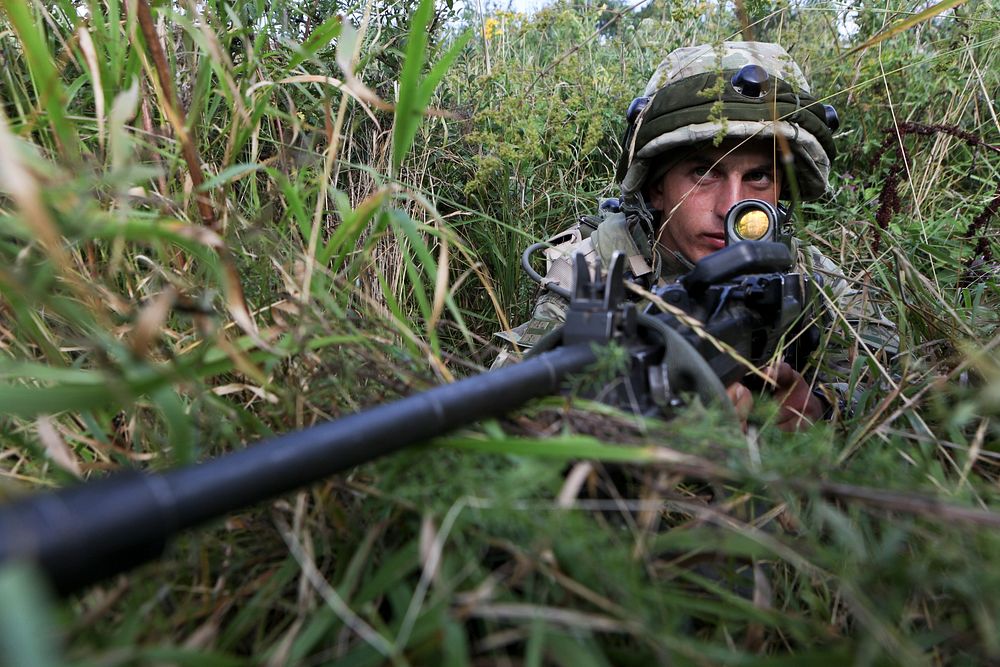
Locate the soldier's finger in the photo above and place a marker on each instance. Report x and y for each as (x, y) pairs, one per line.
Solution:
(742, 399)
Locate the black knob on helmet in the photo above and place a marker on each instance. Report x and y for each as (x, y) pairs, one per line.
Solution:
(831, 117)
(635, 108)
(613, 205)
(751, 81)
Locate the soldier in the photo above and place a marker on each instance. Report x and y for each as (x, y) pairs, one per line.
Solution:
(716, 125)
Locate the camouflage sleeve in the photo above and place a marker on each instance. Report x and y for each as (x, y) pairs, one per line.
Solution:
(548, 314)
(857, 339)
(550, 309)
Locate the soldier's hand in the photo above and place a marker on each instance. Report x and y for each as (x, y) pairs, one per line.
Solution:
(800, 408)
(742, 399)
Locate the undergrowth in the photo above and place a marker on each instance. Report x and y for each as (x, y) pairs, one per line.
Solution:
(223, 222)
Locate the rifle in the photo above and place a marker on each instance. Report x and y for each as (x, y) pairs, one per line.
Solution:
(743, 295)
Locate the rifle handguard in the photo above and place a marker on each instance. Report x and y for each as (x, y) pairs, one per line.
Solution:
(739, 259)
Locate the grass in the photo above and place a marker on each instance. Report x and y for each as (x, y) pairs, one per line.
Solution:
(366, 188)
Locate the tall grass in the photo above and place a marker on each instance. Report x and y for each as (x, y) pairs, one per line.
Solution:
(223, 221)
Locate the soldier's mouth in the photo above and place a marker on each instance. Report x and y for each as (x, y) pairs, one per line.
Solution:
(715, 240)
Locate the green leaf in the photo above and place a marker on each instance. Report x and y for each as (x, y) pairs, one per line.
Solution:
(404, 223)
(29, 402)
(183, 657)
(905, 25)
(45, 76)
(575, 651)
(564, 448)
(345, 238)
(455, 645)
(317, 40)
(229, 174)
(180, 432)
(408, 109)
(27, 631)
(533, 652)
(438, 71)
(414, 94)
(36, 371)
(712, 540)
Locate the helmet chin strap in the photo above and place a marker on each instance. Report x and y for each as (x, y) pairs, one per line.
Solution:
(636, 208)
(680, 261)
(677, 262)
(649, 220)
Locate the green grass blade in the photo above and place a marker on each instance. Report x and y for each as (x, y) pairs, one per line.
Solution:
(575, 651)
(317, 40)
(186, 657)
(408, 109)
(29, 402)
(27, 630)
(229, 175)
(46, 373)
(180, 430)
(51, 92)
(440, 68)
(908, 23)
(353, 224)
(563, 448)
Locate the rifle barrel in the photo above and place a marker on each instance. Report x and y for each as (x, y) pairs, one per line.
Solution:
(85, 533)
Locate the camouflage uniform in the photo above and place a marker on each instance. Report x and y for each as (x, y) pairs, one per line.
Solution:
(680, 112)
(859, 314)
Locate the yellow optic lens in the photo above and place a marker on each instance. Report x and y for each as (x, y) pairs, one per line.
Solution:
(752, 225)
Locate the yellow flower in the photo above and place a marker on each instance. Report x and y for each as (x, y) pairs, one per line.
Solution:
(491, 28)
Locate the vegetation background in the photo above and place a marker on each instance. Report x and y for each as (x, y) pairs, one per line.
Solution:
(223, 221)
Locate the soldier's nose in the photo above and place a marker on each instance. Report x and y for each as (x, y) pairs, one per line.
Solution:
(728, 195)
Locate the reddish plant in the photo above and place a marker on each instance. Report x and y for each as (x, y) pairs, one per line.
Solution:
(889, 202)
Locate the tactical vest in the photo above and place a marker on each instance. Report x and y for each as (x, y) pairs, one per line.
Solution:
(597, 237)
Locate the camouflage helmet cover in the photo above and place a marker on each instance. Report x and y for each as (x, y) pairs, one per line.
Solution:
(682, 111)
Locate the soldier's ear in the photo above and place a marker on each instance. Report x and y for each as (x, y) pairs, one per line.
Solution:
(653, 192)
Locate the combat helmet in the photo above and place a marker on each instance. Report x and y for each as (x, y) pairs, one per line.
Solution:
(763, 93)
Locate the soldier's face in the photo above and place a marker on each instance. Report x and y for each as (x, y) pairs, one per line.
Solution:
(696, 193)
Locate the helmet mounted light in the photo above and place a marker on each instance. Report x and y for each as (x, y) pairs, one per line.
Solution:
(751, 81)
(831, 117)
(635, 108)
